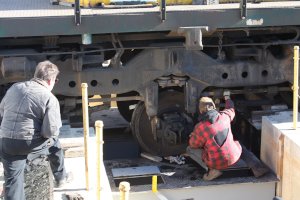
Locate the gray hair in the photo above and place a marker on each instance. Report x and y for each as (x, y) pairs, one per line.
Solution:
(46, 70)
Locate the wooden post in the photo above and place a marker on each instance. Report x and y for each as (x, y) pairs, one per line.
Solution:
(86, 126)
(295, 86)
(124, 188)
(99, 154)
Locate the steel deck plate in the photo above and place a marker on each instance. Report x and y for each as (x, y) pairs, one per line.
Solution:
(135, 171)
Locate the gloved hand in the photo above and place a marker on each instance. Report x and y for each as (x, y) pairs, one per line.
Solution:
(226, 94)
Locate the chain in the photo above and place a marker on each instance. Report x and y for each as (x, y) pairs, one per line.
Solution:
(220, 36)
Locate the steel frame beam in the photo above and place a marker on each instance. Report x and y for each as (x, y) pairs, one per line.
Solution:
(148, 22)
(162, 62)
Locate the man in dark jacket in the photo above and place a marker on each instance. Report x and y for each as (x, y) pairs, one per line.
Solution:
(30, 127)
(213, 139)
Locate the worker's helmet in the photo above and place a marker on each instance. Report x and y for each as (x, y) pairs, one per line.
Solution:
(206, 104)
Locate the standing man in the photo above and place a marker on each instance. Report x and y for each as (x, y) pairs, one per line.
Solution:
(211, 143)
(30, 127)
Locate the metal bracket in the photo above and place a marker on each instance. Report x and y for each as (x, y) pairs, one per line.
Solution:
(117, 44)
(77, 63)
(243, 6)
(193, 37)
(77, 13)
(191, 97)
(151, 99)
(163, 10)
(151, 104)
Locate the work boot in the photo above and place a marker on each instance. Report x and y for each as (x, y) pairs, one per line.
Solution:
(61, 183)
(212, 174)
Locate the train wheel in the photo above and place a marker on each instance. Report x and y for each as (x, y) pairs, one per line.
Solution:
(124, 106)
(172, 129)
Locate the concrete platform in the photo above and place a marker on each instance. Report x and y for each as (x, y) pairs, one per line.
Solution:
(78, 184)
(184, 182)
(248, 191)
(180, 181)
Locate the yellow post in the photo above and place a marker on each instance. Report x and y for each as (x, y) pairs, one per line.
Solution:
(86, 3)
(124, 188)
(94, 2)
(86, 126)
(99, 153)
(154, 183)
(295, 86)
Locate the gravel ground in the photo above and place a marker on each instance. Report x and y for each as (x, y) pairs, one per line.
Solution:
(39, 181)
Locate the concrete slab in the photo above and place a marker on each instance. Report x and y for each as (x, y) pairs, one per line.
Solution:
(245, 191)
(178, 176)
(78, 184)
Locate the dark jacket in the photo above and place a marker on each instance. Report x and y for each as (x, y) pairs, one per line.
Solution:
(29, 110)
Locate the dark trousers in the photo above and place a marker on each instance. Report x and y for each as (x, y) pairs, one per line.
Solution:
(14, 155)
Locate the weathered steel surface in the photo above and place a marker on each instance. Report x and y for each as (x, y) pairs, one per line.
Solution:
(160, 62)
(41, 19)
(135, 171)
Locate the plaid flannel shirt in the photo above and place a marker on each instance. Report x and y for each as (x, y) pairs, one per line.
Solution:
(203, 136)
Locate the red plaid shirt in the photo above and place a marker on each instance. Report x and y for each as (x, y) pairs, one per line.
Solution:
(203, 136)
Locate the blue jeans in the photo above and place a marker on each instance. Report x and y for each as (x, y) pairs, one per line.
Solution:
(14, 155)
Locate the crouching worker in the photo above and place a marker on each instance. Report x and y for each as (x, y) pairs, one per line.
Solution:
(211, 143)
(30, 127)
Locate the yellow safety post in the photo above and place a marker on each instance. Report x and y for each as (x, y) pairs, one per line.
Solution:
(86, 3)
(154, 183)
(295, 86)
(99, 153)
(95, 2)
(86, 126)
(124, 188)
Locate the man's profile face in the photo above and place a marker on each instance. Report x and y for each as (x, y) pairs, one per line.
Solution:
(51, 83)
(202, 109)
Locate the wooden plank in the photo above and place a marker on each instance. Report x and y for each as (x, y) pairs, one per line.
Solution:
(280, 164)
(257, 167)
(272, 149)
(280, 150)
(270, 153)
(291, 168)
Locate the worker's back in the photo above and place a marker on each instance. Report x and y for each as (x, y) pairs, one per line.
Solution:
(23, 109)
